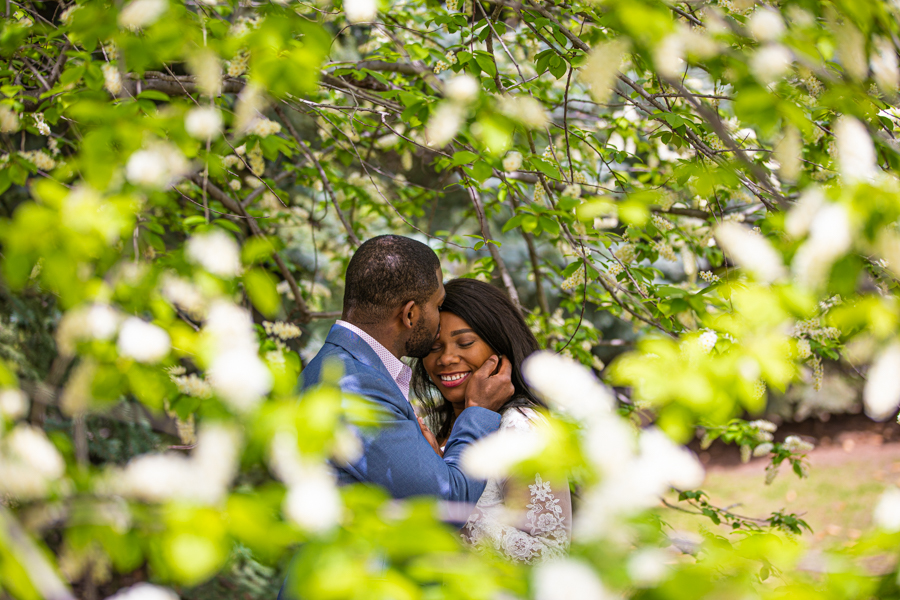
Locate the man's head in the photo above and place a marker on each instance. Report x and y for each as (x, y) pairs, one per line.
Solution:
(393, 283)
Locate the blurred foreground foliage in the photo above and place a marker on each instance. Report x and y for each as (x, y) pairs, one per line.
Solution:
(705, 192)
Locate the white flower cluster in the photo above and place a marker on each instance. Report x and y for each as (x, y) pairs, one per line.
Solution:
(144, 591)
(635, 468)
(142, 13)
(709, 277)
(313, 501)
(512, 162)
(751, 251)
(235, 184)
(233, 161)
(796, 445)
(191, 385)
(158, 166)
(661, 223)
(626, 253)
(360, 11)
(759, 389)
(13, 404)
(40, 124)
(236, 372)
(440, 67)
(263, 127)
(443, 124)
(237, 66)
(525, 110)
(813, 328)
(540, 194)
(53, 146)
(29, 463)
(92, 322)
(804, 350)
(665, 250)
(881, 394)
(112, 79)
(887, 512)
(573, 282)
(215, 251)
(573, 190)
(282, 330)
(203, 478)
(615, 269)
(256, 160)
(708, 340)
(39, 159)
(9, 120)
(818, 372)
(462, 89)
(143, 341)
(203, 123)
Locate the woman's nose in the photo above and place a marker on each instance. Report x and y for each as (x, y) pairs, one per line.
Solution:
(447, 358)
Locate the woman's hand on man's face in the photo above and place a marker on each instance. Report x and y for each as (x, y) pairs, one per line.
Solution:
(491, 385)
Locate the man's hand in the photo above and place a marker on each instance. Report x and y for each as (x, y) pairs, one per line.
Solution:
(491, 385)
(430, 437)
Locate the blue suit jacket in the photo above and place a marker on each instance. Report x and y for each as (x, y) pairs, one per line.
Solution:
(396, 455)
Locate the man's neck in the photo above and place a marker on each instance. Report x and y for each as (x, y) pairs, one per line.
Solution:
(380, 334)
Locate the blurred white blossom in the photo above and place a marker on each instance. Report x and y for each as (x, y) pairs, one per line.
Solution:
(141, 13)
(463, 89)
(229, 327)
(567, 579)
(567, 385)
(360, 11)
(144, 591)
(829, 239)
(750, 250)
(648, 566)
(494, 455)
(443, 125)
(855, 151)
(158, 166)
(215, 251)
(881, 394)
(766, 25)
(29, 463)
(240, 377)
(601, 68)
(312, 501)
(526, 110)
(143, 341)
(804, 211)
(887, 511)
(9, 120)
(512, 162)
(770, 62)
(203, 122)
(884, 65)
(13, 403)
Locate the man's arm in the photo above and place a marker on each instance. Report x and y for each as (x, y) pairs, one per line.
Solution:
(396, 455)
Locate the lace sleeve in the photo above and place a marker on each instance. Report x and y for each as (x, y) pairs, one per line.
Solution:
(522, 525)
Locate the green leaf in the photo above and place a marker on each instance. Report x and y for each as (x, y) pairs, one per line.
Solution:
(486, 62)
(261, 289)
(463, 157)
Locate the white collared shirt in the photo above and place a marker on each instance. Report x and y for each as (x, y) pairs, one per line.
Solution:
(400, 372)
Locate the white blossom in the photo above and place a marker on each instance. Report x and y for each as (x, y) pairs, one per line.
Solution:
(804, 211)
(766, 25)
(240, 378)
(9, 120)
(884, 65)
(215, 251)
(462, 89)
(494, 455)
(770, 62)
(144, 591)
(526, 110)
(829, 239)
(668, 55)
(648, 566)
(855, 151)
(31, 447)
(567, 385)
(708, 340)
(13, 403)
(567, 579)
(143, 341)
(312, 501)
(750, 250)
(112, 79)
(360, 11)
(207, 68)
(203, 123)
(157, 166)
(600, 70)
(881, 394)
(671, 464)
(229, 327)
(141, 13)
(512, 162)
(887, 512)
(443, 125)
(763, 449)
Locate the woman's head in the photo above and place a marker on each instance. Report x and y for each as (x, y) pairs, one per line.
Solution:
(477, 320)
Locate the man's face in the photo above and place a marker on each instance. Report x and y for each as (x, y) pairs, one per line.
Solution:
(426, 329)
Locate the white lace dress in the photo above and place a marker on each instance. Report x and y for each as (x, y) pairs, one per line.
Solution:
(522, 526)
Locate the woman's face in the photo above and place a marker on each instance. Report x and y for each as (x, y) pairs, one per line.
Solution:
(457, 353)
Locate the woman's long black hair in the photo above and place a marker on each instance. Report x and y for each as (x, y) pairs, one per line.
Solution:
(491, 314)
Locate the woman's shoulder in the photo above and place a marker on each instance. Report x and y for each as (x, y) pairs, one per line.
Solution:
(520, 417)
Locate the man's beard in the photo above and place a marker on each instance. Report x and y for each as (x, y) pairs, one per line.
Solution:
(420, 340)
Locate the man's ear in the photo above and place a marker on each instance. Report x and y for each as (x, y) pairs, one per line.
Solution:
(409, 314)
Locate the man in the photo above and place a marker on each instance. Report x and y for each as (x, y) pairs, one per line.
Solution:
(392, 297)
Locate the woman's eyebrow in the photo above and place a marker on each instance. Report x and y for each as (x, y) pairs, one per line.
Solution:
(459, 331)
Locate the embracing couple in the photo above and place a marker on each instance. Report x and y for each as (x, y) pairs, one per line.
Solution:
(467, 342)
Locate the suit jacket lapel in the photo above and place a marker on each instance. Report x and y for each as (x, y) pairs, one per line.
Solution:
(356, 347)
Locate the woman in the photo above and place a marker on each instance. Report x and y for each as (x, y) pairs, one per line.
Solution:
(477, 321)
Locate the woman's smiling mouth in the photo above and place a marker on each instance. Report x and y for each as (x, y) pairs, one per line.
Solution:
(453, 379)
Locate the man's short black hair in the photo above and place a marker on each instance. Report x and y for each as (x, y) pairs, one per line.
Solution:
(387, 272)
